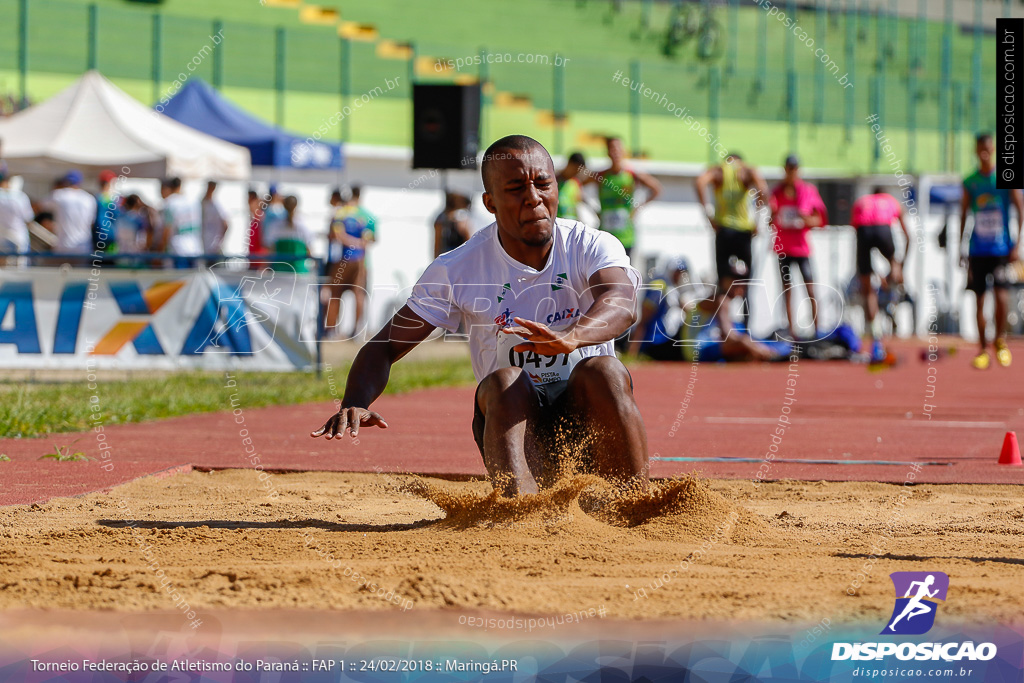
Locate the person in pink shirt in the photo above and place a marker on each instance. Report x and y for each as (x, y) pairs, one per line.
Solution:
(873, 215)
(796, 209)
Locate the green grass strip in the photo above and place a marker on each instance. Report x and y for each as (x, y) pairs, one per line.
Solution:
(28, 410)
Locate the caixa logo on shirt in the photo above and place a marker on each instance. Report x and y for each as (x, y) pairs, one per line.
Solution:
(564, 314)
(914, 612)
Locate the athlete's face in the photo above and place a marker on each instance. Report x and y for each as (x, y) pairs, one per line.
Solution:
(524, 196)
(985, 150)
(615, 151)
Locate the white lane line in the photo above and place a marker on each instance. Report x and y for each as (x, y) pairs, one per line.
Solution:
(955, 424)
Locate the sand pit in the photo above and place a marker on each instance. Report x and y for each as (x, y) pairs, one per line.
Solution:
(721, 550)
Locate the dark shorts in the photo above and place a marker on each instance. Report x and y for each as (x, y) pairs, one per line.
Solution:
(788, 263)
(554, 411)
(986, 272)
(556, 426)
(873, 237)
(733, 254)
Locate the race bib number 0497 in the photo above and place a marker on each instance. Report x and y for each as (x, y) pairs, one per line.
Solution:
(541, 369)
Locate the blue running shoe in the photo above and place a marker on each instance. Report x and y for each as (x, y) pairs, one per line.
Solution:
(877, 352)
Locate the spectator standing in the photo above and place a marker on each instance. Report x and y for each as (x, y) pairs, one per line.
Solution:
(215, 222)
(293, 238)
(451, 227)
(796, 209)
(617, 188)
(991, 247)
(570, 191)
(734, 183)
(74, 213)
(254, 237)
(274, 217)
(134, 227)
(349, 235)
(15, 213)
(107, 207)
(181, 223)
(872, 216)
(369, 231)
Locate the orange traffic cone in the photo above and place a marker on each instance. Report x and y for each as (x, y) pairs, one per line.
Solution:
(1010, 455)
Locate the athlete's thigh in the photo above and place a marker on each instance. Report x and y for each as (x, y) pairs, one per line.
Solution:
(805, 270)
(507, 386)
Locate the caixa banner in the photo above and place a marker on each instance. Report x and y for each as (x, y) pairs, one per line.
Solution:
(162, 319)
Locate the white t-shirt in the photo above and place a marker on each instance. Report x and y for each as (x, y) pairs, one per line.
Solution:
(15, 212)
(74, 213)
(481, 286)
(213, 226)
(297, 231)
(182, 223)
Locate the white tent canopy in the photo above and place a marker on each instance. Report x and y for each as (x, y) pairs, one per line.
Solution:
(94, 125)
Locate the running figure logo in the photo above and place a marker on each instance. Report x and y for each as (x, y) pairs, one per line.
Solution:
(916, 593)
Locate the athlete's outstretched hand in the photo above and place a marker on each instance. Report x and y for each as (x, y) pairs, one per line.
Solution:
(542, 340)
(349, 419)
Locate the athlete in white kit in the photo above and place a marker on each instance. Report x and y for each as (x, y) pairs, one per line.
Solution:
(543, 299)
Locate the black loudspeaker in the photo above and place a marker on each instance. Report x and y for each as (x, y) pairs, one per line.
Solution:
(838, 198)
(445, 126)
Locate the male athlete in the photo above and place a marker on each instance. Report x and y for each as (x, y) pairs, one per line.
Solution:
(732, 222)
(872, 216)
(616, 189)
(991, 249)
(542, 298)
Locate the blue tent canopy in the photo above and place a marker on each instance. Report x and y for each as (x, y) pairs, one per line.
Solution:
(201, 107)
(945, 194)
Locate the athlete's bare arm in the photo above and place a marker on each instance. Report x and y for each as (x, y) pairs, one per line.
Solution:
(651, 183)
(370, 372)
(711, 176)
(612, 313)
(815, 220)
(1017, 197)
(965, 206)
(756, 183)
(906, 233)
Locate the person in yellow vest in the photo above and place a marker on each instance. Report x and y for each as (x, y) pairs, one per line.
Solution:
(570, 191)
(735, 184)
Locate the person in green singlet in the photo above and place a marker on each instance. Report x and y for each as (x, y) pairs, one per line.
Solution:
(735, 226)
(616, 189)
(291, 237)
(570, 191)
(991, 247)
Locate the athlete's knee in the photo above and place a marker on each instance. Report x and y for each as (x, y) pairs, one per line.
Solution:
(599, 375)
(501, 386)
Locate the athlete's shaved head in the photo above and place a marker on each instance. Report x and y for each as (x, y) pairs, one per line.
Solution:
(520, 189)
(508, 147)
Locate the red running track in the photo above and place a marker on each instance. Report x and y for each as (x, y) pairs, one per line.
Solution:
(839, 413)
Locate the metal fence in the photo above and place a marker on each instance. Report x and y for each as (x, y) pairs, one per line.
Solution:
(916, 75)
